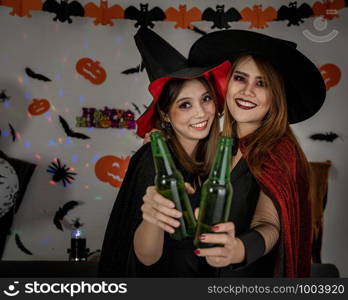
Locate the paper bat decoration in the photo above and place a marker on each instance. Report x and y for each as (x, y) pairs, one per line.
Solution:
(62, 212)
(137, 69)
(144, 16)
(13, 132)
(3, 96)
(220, 17)
(200, 31)
(183, 17)
(257, 16)
(64, 10)
(61, 172)
(70, 132)
(327, 137)
(136, 107)
(103, 14)
(294, 14)
(21, 246)
(328, 9)
(22, 8)
(34, 75)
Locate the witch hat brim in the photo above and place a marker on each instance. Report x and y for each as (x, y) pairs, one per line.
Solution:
(162, 63)
(304, 85)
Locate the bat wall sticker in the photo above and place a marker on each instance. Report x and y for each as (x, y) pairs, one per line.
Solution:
(62, 212)
(34, 75)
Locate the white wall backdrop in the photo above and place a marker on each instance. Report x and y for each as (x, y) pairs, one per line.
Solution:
(53, 49)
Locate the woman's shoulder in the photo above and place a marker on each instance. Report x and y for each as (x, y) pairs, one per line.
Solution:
(144, 150)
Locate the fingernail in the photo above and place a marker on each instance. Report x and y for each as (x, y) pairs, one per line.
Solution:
(216, 228)
(201, 237)
(197, 252)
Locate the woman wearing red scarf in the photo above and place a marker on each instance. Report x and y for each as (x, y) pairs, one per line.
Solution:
(271, 85)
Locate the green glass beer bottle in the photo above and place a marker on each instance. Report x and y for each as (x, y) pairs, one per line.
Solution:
(170, 184)
(216, 193)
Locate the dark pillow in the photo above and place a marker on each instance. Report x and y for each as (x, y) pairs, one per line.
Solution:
(14, 178)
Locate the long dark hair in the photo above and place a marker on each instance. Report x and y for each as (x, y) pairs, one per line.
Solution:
(203, 154)
(274, 125)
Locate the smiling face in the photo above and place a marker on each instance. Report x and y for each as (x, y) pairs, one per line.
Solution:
(192, 113)
(248, 96)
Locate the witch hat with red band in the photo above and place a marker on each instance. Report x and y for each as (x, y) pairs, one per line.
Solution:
(304, 85)
(162, 63)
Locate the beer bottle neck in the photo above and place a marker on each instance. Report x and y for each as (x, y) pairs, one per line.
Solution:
(163, 161)
(221, 169)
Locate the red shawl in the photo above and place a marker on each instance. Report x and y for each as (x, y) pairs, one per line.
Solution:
(284, 179)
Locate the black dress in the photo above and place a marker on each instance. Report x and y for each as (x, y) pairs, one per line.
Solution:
(178, 258)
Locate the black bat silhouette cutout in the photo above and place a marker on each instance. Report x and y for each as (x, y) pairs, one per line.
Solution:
(21, 246)
(64, 9)
(294, 14)
(13, 132)
(3, 96)
(144, 16)
(62, 212)
(34, 75)
(197, 30)
(327, 137)
(70, 132)
(136, 107)
(220, 17)
(137, 69)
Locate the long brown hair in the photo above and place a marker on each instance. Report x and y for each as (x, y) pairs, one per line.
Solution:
(275, 124)
(203, 154)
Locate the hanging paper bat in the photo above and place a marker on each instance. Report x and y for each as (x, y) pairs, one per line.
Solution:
(328, 9)
(103, 14)
(70, 132)
(62, 212)
(200, 31)
(183, 17)
(327, 137)
(257, 16)
(220, 17)
(21, 8)
(64, 9)
(294, 14)
(144, 16)
(137, 69)
(13, 132)
(3, 96)
(34, 75)
(21, 246)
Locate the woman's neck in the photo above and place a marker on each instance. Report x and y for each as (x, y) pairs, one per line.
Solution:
(244, 129)
(189, 146)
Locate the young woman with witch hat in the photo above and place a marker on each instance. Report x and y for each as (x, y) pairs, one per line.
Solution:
(185, 106)
(271, 85)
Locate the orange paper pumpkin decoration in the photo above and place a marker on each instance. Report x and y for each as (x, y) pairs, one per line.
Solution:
(111, 169)
(331, 75)
(38, 107)
(91, 70)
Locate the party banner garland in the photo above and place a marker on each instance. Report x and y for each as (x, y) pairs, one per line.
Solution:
(182, 16)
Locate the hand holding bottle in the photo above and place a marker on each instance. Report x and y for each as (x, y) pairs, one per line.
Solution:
(232, 250)
(160, 211)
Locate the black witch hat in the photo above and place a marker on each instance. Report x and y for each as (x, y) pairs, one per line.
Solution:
(304, 85)
(162, 63)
